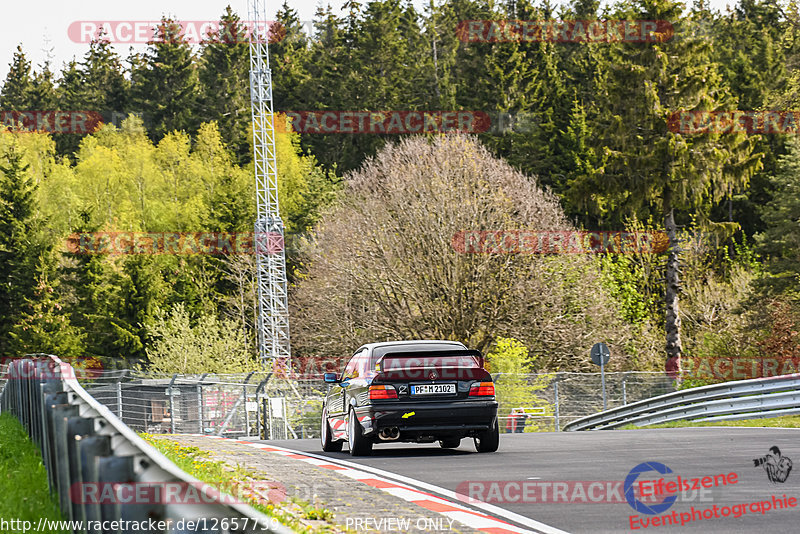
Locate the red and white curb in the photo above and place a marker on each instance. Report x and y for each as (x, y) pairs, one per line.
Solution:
(449, 509)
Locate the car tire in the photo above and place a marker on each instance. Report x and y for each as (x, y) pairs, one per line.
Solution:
(450, 443)
(488, 441)
(359, 445)
(326, 436)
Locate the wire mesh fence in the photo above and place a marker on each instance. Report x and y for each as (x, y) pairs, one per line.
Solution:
(232, 405)
(274, 407)
(546, 402)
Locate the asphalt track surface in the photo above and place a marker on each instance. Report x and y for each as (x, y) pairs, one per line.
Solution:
(542, 459)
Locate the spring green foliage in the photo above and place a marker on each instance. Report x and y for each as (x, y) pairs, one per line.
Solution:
(512, 361)
(23, 477)
(204, 345)
(105, 304)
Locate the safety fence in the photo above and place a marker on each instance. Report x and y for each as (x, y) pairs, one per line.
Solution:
(742, 399)
(273, 406)
(104, 474)
(547, 401)
(233, 405)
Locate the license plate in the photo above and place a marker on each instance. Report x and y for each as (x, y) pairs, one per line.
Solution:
(433, 389)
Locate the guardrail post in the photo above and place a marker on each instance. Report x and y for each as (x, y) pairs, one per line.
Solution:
(89, 450)
(112, 469)
(48, 389)
(60, 414)
(77, 428)
(50, 402)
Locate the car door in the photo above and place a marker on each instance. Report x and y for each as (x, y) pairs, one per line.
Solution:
(337, 398)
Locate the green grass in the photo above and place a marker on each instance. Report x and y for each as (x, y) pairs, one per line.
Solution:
(236, 481)
(786, 421)
(23, 478)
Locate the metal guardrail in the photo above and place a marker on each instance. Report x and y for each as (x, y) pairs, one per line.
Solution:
(742, 399)
(84, 445)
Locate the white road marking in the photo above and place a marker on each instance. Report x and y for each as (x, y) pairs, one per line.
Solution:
(486, 507)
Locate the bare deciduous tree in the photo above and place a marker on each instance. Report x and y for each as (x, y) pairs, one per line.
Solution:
(383, 266)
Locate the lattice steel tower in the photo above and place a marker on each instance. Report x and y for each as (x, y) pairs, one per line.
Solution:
(273, 306)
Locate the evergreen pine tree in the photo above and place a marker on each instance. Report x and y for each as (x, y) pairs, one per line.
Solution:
(225, 82)
(653, 169)
(289, 57)
(18, 86)
(22, 244)
(106, 89)
(164, 84)
(780, 242)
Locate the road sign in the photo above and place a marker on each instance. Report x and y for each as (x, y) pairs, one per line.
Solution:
(600, 354)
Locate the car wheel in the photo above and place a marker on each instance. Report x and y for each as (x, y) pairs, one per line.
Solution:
(326, 436)
(359, 445)
(450, 443)
(488, 441)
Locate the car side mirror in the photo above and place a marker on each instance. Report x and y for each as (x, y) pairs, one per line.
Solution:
(331, 378)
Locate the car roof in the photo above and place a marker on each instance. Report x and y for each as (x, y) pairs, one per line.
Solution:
(411, 342)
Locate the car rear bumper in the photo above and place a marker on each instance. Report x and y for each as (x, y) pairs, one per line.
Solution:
(428, 421)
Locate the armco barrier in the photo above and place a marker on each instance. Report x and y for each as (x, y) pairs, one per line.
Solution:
(82, 443)
(742, 399)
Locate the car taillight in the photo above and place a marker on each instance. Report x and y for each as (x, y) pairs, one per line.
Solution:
(481, 389)
(382, 392)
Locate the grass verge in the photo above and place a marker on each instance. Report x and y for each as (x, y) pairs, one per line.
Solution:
(23, 477)
(238, 481)
(785, 421)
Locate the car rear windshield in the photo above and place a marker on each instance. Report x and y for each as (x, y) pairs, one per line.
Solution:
(378, 352)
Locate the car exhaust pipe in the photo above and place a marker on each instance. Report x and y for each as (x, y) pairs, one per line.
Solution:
(389, 434)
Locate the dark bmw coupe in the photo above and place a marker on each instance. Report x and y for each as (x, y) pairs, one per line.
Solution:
(410, 391)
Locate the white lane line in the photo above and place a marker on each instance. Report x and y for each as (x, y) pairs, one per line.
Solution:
(413, 495)
(486, 507)
(356, 474)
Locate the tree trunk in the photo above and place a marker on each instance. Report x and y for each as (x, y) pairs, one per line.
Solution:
(673, 322)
